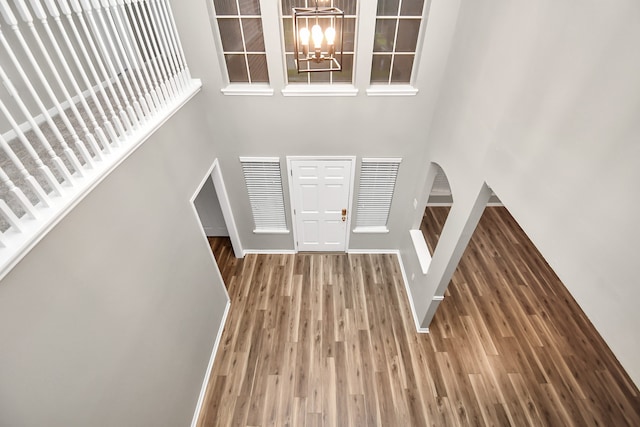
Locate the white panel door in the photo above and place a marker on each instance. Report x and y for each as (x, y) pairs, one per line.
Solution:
(321, 195)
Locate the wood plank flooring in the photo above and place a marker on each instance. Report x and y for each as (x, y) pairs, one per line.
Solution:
(328, 340)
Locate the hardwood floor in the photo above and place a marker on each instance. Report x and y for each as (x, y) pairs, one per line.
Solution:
(328, 340)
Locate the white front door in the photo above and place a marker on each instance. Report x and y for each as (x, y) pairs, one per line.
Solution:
(321, 192)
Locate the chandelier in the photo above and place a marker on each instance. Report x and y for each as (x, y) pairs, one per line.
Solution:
(317, 38)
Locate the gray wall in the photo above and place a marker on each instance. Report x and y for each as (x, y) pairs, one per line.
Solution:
(540, 100)
(111, 319)
(209, 210)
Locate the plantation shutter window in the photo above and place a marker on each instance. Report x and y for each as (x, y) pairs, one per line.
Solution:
(377, 184)
(264, 186)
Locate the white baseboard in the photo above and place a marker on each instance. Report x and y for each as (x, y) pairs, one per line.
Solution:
(269, 251)
(419, 329)
(216, 231)
(372, 251)
(205, 383)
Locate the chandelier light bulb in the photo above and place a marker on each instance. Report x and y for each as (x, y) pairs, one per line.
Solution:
(304, 36)
(317, 36)
(330, 34)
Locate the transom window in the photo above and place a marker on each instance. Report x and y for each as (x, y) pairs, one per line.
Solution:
(240, 26)
(349, 7)
(396, 38)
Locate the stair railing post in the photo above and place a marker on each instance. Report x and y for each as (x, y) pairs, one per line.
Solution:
(164, 48)
(55, 14)
(128, 115)
(143, 57)
(166, 89)
(134, 63)
(22, 170)
(121, 126)
(44, 169)
(42, 16)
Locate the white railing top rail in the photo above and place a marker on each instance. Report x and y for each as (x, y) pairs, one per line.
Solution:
(84, 83)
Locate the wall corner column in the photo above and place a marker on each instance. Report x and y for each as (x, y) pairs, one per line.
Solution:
(458, 229)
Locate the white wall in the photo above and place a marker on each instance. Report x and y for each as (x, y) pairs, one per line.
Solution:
(541, 101)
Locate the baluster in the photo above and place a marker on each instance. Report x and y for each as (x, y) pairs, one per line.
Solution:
(162, 48)
(22, 170)
(111, 35)
(166, 42)
(127, 68)
(10, 216)
(132, 52)
(54, 156)
(41, 15)
(143, 57)
(53, 11)
(150, 38)
(128, 115)
(44, 169)
(28, 19)
(134, 35)
(177, 46)
(18, 194)
(13, 23)
(105, 81)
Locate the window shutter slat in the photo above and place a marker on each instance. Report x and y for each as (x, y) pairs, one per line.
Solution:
(377, 185)
(264, 186)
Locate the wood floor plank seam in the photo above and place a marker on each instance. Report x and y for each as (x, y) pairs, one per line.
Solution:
(328, 340)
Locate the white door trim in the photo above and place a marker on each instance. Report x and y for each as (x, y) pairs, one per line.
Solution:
(352, 159)
(225, 205)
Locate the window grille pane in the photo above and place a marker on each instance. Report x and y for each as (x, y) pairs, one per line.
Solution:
(287, 5)
(347, 6)
(377, 185)
(407, 35)
(385, 35)
(253, 38)
(320, 77)
(237, 68)
(249, 7)
(258, 68)
(225, 7)
(230, 34)
(264, 187)
(388, 7)
(292, 73)
(412, 8)
(347, 70)
(402, 65)
(288, 35)
(380, 68)
(349, 34)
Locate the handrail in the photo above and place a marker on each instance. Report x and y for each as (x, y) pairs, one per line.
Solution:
(87, 81)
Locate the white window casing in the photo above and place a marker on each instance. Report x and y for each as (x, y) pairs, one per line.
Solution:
(376, 189)
(263, 178)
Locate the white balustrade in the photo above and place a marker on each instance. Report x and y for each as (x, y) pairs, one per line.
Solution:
(85, 82)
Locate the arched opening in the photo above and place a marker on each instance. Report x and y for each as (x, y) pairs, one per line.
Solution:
(440, 195)
(437, 191)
